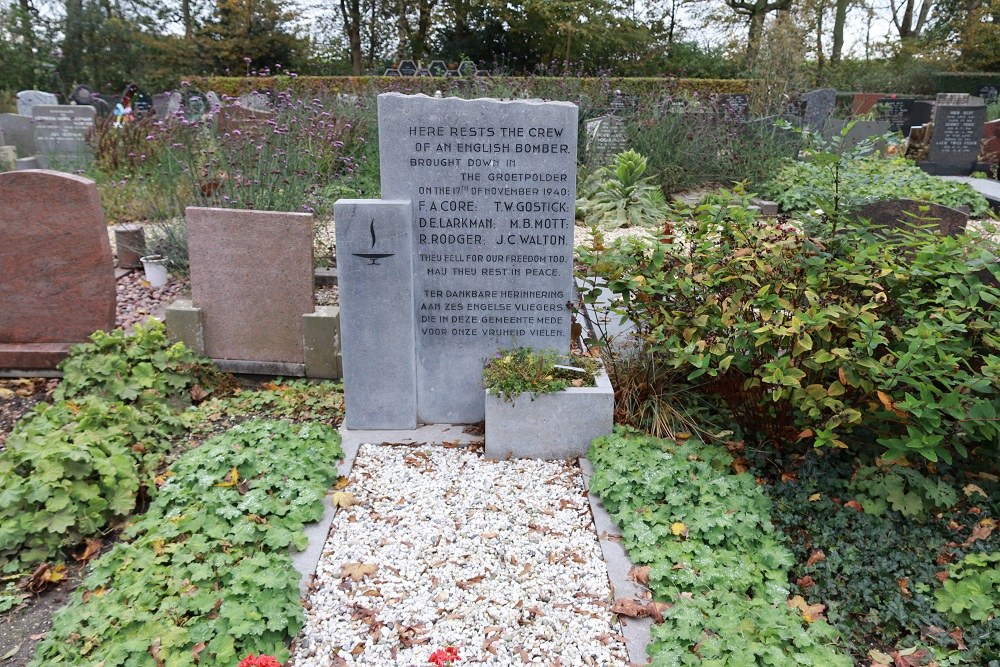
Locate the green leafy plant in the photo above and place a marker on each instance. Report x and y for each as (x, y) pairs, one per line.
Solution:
(137, 367)
(71, 468)
(713, 556)
(619, 196)
(524, 370)
(809, 337)
(971, 592)
(294, 400)
(902, 489)
(206, 574)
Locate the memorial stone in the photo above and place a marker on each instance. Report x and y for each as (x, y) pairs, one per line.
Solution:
(57, 282)
(492, 187)
(734, 107)
(862, 103)
(252, 278)
(255, 101)
(175, 101)
(819, 105)
(19, 132)
(392, 72)
(86, 96)
(897, 111)
(989, 94)
(958, 130)
(467, 68)
(29, 99)
(923, 112)
(905, 214)
(990, 148)
(438, 68)
(407, 68)
(61, 135)
(605, 137)
(196, 105)
(953, 99)
(8, 157)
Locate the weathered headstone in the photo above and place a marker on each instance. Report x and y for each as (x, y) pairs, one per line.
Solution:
(234, 117)
(19, 132)
(251, 276)
(175, 102)
(57, 283)
(897, 111)
(953, 99)
(907, 214)
(29, 99)
(61, 135)
(605, 137)
(8, 156)
(196, 105)
(492, 188)
(819, 106)
(989, 151)
(860, 131)
(214, 102)
(958, 129)
(255, 101)
(734, 107)
(86, 96)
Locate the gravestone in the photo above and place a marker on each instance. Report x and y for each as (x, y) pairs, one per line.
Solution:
(922, 113)
(214, 102)
(392, 72)
(86, 96)
(438, 68)
(467, 68)
(19, 132)
(897, 111)
(989, 94)
(605, 137)
(734, 107)
(861, 130)
(61, 135)
(407, 68)
(953, 99)
(235, 117)
(491, 186)
(862, 103)
(142, 103)
(175, 102)
(958, 129)
(905, 214)
(819, 106)
(29, 99)
(255, 101)
(57, 281)
(8, 156)
(252, 278)
(195, 105)
(989, 151)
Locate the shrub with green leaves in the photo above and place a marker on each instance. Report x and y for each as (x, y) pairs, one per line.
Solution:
(137, 367)
(971, 592)
(620, 196)
(807, 185)
(205, 575)
(808, 338)
(713, 555)
(71, 468)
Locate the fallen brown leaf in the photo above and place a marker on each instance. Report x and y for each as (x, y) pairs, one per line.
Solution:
(630, 608)
(357, 571)
(816, 556)
(639, 574)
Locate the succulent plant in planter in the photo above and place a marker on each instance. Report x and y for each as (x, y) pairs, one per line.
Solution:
(543, 405)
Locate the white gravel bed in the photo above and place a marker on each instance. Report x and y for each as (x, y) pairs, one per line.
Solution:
(498, 558)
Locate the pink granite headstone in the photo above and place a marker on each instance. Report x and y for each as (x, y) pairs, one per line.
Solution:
(989, 151)
(252, 278)
(57, 280)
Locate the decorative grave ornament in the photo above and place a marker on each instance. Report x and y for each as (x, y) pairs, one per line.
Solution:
(28, 99)
(196, 105)
(123, 110)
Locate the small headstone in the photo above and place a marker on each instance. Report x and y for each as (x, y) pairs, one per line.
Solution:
(234, 117)
(57, 281)
(958, 130)
(861, 130)
(61, 134)
(907, 214)
(407, 68)
(438, 68)
(819, 107)
(392, 72)
(19, 131)
(467, 68)
(989, 151)
(175, 102)
(953, 99)
(897, 111)
(214, 102)
(196, 105)
(8, 157)
(251, 309)
(605, 137)
(989, 94)
(255, 101)
(863, 102)
(25, 163)
(29, 99)
(734, 107)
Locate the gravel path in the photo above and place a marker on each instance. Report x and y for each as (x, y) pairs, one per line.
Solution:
(497, 558)
(137, 301)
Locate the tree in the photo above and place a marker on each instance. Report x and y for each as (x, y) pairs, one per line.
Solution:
(908, 18)
(754, 12)
(254, 34)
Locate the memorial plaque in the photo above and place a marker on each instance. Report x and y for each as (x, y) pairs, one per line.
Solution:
(734, 107)
(61, 134)
(958, 131)
(407, 68)
(29, 99)
(897, 112)
(819, 106)
(492, 186)
(254, 101)
(438, 68)
(953, 99)
(605, 137)
(19, 131)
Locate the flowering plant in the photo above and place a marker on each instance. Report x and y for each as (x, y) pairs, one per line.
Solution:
(444, 657)
(260, 661)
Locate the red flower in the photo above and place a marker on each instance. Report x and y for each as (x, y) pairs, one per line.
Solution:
(444, 657)
(260, 661)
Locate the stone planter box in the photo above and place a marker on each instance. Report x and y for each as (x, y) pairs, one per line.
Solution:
(559, 425)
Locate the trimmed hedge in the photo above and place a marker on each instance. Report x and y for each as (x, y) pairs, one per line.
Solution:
(964, 82)
(559, 88)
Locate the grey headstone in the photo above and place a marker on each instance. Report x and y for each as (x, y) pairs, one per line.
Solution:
(438, 68)
(196, 105)
(958, 130)
(407, 68)
(861, 130)
(61, 135)
(605, 137)
(953, 99)
(254, 101)
(819, 106)
(25, 163)
(493, 186)
(375, 275)
(214, 102)
(8, 157)
(907, 214)
(160, 103)
(19, 131)
(897, 111)
(29, 99)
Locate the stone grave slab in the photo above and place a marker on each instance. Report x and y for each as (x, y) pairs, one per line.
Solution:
(819, 106)
(61, 135)
(897, 111)
(903, 214)
(375, 271)
(29, 99)
(19, 131)
(958, 130)
(734, 107)
(492, 185)
(989, 151)
(255, 101)
(605, 137)
(251, 276)
(57, 282)
(234, 117)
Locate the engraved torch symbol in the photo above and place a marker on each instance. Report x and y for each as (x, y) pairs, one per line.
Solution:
(373, 256)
